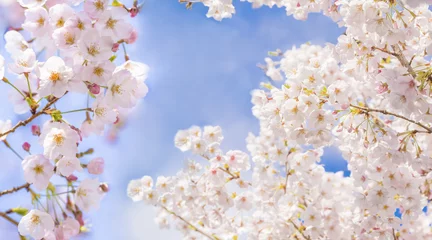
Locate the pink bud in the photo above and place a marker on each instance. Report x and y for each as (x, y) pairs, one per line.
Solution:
(79, 218)
(96, 166)
(94, 88)
(72, 178)
(115, 47)
(26, 146)
(132, 37)
(133, 11)
(35, 129)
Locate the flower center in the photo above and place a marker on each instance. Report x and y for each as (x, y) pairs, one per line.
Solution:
(23, 63)
(93, 50)
(69, 38)
(60, 22)
(38, 169)
(99, 5)
(80, 25)
(35, 219)
(98, 71)
(58, 139)
(116, 89)
(54, 76)
(40, 21)
(100, 112)
(82, 193)
(111, 23)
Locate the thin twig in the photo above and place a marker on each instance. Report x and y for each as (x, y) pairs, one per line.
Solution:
(15, 189)
(403, 60)
(428, 130)
(189, 224)
(298, 229)
(13, 150)
(31, 118)
(5, 216)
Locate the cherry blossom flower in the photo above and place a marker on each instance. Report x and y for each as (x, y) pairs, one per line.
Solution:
(37, 170)
(37, 21)
(54, 76)
(24, 62)
(88, 194)
(36, 224)
(68, 165)
(59, 139)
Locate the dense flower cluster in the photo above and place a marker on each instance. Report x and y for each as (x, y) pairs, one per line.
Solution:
(368, 95)
(72, 48)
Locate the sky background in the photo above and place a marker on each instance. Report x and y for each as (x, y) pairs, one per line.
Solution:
(202, 73)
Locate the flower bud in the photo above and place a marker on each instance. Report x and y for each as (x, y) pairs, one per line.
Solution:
(115, 47)
(104, 187)
(35, 129)
(94, 88)
(96, 166)
(133, 11)
(26, 146)
(72, 178)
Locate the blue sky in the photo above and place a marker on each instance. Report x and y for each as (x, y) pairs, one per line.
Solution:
(202, 73)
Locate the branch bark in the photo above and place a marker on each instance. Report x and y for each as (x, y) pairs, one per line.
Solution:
(31, 118)
(385, 112)
(5, 216)
(189, 224)
(15, 189)
(298, 229)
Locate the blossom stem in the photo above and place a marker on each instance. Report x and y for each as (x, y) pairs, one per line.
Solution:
(25, 122)
(28, 85)
(13, 150)
(189, 224)
(19, 91)
(385, 112)
(77, 110)
(125, 53)
(15, 189)
(5, 216)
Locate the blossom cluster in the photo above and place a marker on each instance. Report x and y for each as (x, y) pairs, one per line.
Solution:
(72, 48)
(369, 95)
(299, 9)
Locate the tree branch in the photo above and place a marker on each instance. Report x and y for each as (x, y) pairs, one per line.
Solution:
(385, 112)
(298, 229)
(31, 118)
(399, 55)
(189, 224)
(5, 216)
(15, 189)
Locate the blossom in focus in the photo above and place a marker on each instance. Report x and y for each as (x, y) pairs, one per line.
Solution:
(36, 224)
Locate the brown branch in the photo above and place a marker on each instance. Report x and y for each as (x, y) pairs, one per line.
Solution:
(189, 224)
(300, 231)
(31, 118)
(5, 216)
(399, 55)
(15, 189)
(428, 130)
